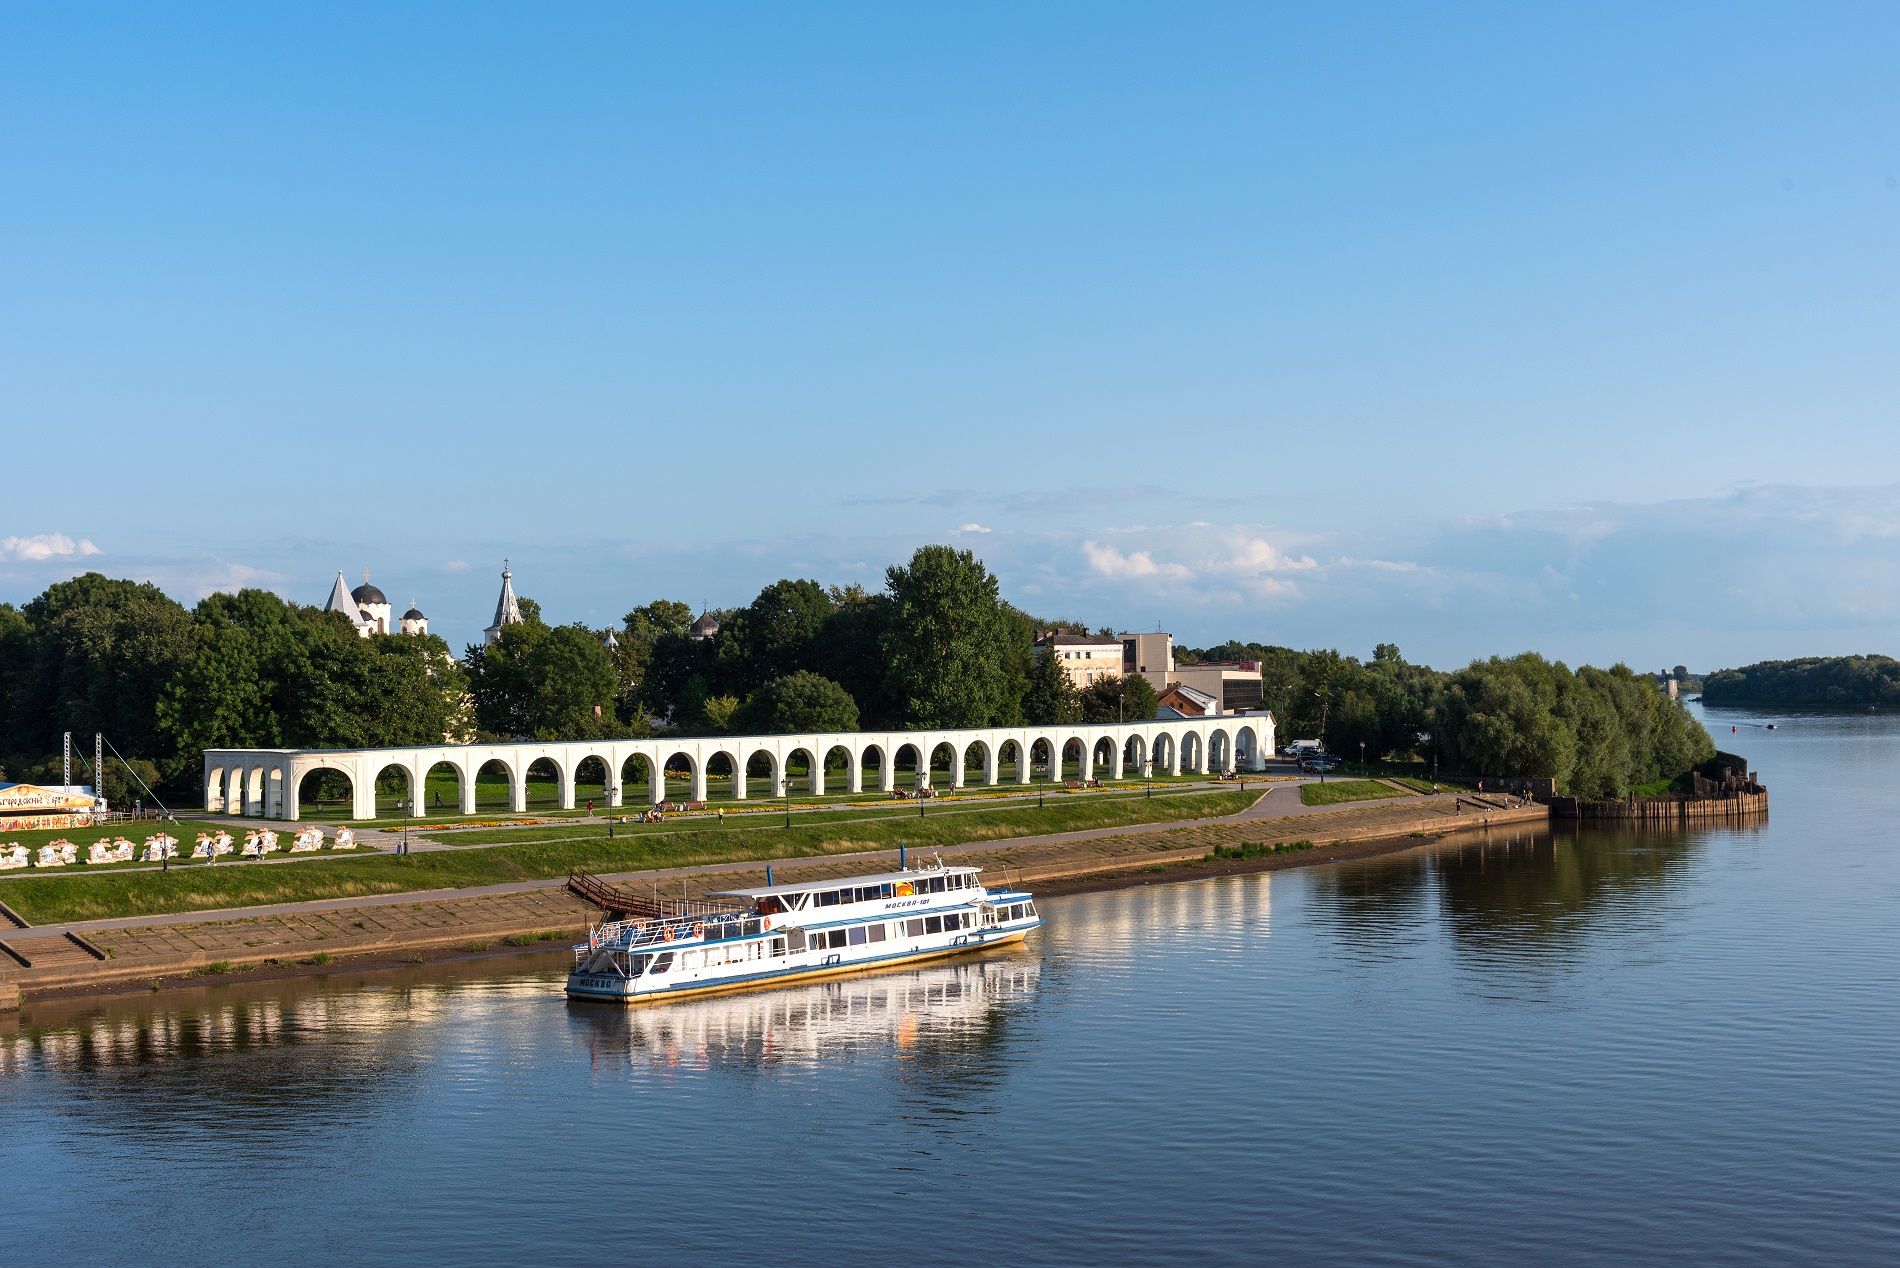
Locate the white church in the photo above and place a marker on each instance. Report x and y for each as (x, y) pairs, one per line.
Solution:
(369, 610)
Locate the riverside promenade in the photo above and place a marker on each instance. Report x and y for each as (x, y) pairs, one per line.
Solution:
(162, 950)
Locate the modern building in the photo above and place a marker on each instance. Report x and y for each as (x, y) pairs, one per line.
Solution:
(1234, 683)
(507, 611)
(1087, 658)
(1150, 655)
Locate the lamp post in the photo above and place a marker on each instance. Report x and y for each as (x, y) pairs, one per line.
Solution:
(1362, 757)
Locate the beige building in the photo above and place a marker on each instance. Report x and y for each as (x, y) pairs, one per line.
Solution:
(1087, 658)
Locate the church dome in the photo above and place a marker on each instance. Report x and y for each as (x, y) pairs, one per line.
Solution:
(366, 594)
(414, 614)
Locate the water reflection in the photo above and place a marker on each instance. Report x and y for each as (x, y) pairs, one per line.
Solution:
(1541, 899)
(955, 1007)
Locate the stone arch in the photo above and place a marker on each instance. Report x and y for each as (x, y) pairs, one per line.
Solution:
(765, 763)
(329, 792)
(946, 757)
(1193, 753)
(1161, 751)
(398, 795)
(836, 757)
(591, 781)
(1044, 751)
(807, 756)
(488, 798)
(1105, 758)
(1246, 748)
(214, 790)
(542, 780)
(1220, 750)
(1135, 755)
(636, 768)
(677, 764)
(724, 764)
(1075, 749)
(877, 757)
(919, 765)
(458, 800)
(985, 754)
(1011, 752)
(274, 792)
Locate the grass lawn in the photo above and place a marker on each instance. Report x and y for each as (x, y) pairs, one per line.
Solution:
(1335, 791)
(50, 899)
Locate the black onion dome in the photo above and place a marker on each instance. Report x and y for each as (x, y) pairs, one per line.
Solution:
(367, 593)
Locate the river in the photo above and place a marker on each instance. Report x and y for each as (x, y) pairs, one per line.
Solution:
(1579, 1046)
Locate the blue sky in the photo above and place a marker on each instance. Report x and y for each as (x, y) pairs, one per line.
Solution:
(1489, 327)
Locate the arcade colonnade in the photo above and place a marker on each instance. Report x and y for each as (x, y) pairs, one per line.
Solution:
(265, 782)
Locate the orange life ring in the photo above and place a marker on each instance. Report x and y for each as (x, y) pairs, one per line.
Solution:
(668, 933)
(699, 929)
(766, 923)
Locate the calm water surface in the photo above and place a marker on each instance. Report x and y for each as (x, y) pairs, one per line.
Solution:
(1593, 1047)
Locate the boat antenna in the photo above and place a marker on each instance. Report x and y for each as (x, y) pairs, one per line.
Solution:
(939, 858)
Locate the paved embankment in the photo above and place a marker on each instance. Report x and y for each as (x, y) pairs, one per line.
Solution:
(102, 954)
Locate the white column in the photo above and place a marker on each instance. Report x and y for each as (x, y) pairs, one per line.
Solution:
(1088, 760)
(887, 769)
(959, 755)
(816, 784)
(739, 757)
(362, 791)
(418, 789)
(1174, 754)
(992, 762)
(292, 807)
(1121, 751)
(465, 785)
(854, 770)
(518, 788)
(699, 777)
(565, 772)
(614, 776)
(656, 781)
(234, 790)
(1022, 759)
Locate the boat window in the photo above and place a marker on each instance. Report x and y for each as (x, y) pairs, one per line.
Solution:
(662, 964)
(858, 936)
(914, 928)
(796, 939)
(1015, 911)
(770, 905)
(826, 897)
(752, 929)
(936, 885)
(933, 924)
(778, 946)
(640, 963)
(877, 933)
(1029, 909)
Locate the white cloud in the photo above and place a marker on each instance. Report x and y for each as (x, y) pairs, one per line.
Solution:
(972, 527)
(455, 565)
(45, 546)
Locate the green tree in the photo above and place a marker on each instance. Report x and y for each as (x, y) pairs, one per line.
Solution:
(1127, 698)
(781, 627)
(1050, 698)
(797, 702)
(850, 651)
(947, 647)
(99, 653)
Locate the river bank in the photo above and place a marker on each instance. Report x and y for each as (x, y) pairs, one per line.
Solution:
(158, 952)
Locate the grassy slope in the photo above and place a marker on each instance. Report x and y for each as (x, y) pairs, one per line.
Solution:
(52, 899)
(1336, 791)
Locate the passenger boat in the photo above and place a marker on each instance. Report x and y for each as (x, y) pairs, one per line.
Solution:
(746, 938)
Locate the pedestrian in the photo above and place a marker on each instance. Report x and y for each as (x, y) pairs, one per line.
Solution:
(590, 807)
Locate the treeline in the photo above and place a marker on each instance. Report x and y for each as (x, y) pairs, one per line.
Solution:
(1597, 732)
(1811, 682)
(164, 682)
(937, 647)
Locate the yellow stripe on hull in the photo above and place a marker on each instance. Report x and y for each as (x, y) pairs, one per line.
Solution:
(806, 975)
